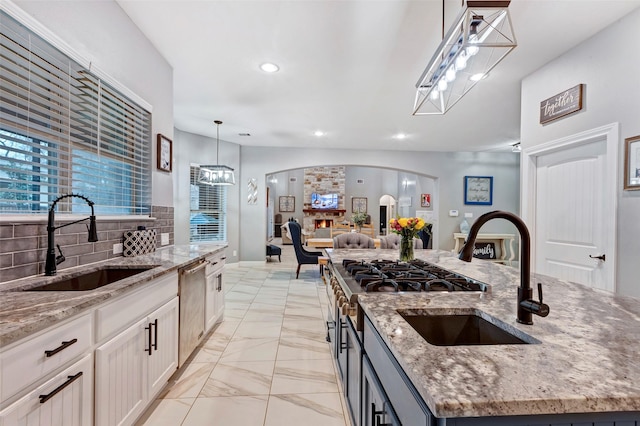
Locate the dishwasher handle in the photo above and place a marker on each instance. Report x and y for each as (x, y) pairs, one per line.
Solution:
(193, 269)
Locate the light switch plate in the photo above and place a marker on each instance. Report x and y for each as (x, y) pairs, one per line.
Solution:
(468, 215)
(164, 239)
(118, 248)
(453, 213)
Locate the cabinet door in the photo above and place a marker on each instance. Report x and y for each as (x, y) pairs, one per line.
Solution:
(121, 376)
(214, 306)
(376, 410)
(163, 357)
(353, 377)
(219, 297)
(65, 400)
(341, 346)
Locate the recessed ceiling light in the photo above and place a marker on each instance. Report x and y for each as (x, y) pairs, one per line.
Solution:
(318, 133)
(400, 136)
(269, 67)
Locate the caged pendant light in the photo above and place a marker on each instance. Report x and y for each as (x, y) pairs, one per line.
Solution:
(216, 174)
(479, 39)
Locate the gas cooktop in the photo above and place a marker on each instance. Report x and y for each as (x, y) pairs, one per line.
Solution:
(393, 276)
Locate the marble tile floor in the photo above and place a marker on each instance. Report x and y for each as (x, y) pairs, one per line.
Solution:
(267, 363)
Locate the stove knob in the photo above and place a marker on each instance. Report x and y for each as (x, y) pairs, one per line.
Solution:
(344, 309)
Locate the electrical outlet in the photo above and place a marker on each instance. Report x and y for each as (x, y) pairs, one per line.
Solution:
(118, 248)
(164, 239)
(235, 253)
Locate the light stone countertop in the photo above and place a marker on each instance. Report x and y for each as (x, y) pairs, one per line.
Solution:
(588, 359)
(24, 313)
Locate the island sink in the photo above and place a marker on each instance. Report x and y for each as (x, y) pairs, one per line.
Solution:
(462, 328)
(91, 280)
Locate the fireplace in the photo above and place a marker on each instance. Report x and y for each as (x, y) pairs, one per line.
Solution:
(323, 223)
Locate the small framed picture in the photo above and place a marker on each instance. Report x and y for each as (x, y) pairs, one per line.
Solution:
(287, 203)
(165, 153)
(425, 200)
(632, 163)
(358, 205)
(478, 190)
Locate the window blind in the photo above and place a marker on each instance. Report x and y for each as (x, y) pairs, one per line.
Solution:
(63, 130)
(208, 205)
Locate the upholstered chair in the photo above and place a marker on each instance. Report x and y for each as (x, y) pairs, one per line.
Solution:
(353, 240)
(392, 241)
(303, 256)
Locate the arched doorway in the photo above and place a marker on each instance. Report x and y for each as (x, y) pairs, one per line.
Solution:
(387, 211)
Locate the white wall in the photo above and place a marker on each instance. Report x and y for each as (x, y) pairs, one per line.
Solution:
(609, 65)
(198, 149)
(103, 34)
(448, 169)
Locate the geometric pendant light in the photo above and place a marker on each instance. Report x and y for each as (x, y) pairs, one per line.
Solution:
(479, 39)
(216, 174)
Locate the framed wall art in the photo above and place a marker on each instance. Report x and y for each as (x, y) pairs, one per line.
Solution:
(287, 203)
(632, 163)
(165, 153)
(358, 204)
(478, 190)
(425, 200)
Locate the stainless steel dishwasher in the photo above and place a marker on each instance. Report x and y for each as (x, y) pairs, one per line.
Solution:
(192, 297)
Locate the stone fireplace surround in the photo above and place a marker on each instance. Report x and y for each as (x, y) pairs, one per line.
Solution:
(323, 180)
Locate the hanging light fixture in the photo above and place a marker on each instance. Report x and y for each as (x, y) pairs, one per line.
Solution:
(216, 174)
(479, 39)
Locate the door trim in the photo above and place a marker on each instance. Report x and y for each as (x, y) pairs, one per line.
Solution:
(528, 177)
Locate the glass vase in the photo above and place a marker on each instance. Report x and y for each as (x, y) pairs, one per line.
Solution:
(406, 249)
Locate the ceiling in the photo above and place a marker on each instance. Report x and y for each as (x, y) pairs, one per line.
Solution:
(348, 68)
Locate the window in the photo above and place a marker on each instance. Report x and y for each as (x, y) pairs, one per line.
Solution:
(208, 218)
(64, 130)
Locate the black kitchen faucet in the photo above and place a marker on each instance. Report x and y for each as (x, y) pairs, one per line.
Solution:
(52, 260)
(526, 305)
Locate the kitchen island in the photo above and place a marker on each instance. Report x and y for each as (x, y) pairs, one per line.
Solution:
(585, 368)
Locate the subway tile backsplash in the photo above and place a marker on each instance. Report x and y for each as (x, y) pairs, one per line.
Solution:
(23, 245)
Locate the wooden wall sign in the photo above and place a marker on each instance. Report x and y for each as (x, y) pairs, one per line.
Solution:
(484, 251)
(561, 104)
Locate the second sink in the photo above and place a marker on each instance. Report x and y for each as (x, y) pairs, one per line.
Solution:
(468, 327)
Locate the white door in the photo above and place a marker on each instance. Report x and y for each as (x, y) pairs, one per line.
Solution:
(573, 219)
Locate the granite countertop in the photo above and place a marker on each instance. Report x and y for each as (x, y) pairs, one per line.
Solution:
(24, 313)
(587, 360)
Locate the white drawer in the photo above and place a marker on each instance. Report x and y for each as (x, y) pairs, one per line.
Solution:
(38, 356)
(123, 312)
(215, 262)
(66, 399)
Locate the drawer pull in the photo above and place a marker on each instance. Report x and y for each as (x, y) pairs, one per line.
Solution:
(63, 346)
(71, 379)
(155, 334)
(149, 338)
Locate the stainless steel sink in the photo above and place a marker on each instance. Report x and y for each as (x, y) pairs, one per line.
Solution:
(464, 327)
(91, 280)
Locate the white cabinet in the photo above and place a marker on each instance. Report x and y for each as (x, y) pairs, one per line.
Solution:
(65, 400)
(120, 375)
(38, 357)
(133, 366)
(163, 360)
(214, 295)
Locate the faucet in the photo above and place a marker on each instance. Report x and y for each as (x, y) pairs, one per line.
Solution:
(52, 260)
(526, 305)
